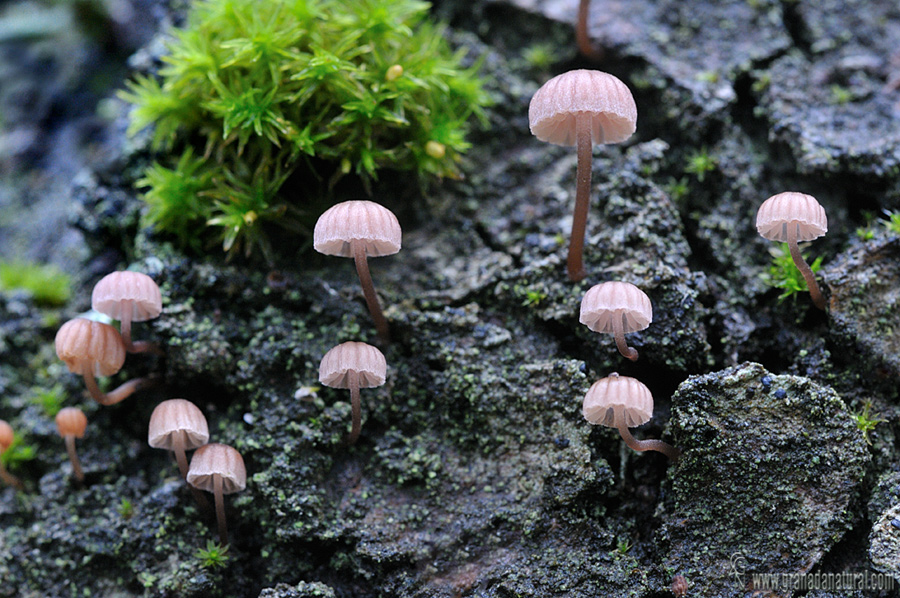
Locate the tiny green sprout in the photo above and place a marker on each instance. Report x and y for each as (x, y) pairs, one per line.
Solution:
(533, 297)
(540, 56)
(214, 556)
(623, 546)
(865, 233)
(866, 421)
(783, 273)
(708, 76)
(892, 224)
(47, 284)
(699, 163)
(677, 189)
(125, 508)
(840, 95)
(17, 453)
(50, 399)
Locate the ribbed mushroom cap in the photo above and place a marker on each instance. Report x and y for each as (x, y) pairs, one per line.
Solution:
(357, 220)
(135, 290)
(628, 394)
(551, 113)
(71, 421)
(177, 423)
(92, 347)
(610, 303)
(221, 459)
(353, 359)
(6, 435)
(791, 209)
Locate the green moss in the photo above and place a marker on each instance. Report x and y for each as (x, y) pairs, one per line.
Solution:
(315, 88)
(783, 273)
(49, 285)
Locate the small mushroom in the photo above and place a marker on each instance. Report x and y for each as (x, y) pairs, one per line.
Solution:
(71, 424)
(621, 402)
(616, 308)
(93, 349)
(581, 108)
(792, 217)
(360, 229)
(178, 425)
(353, 365)
(7, 436)
(219, 469)
(128, 297)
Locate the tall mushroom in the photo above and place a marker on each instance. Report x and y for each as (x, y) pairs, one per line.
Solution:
(178, 425)
(792, 217)
(7, 436)
(360, 229)
(92, 349)
(616, 308)
(71, 424)
(353, 365)
(219, 469)
(621, 402)
(128, 297)
(581, 108)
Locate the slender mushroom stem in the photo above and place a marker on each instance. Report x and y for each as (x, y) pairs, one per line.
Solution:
(220, 509)
(814, 292)
(355, 409)
(583, 143)
(125, 329)
(114, 396)
(619, 333)
(181, 458)
(73, 457)
(582, 40)
(644, 445)
(365, 279)
(9, 479)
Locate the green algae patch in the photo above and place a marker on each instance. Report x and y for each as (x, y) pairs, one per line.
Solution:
(770, 464)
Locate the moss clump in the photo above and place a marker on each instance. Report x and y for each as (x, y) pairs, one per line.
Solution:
(316, 88)
(47, 284)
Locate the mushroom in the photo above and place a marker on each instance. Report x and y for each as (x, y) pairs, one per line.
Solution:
(71, 424)
(360, 229)
(580, 108)
(93, 349)
(178, 425)
(219, 469)
(6, 439)
(621, 402)
(353, 365)
(792, 217)
(616, 308)
(128, 297)
(582, 39)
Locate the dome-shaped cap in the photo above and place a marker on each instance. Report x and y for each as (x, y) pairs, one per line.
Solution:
(6, 435)
(177, 423)
(791, 209)
(357, 220)
(121, 293)
(617, 393)
(71, 421)
(551, 113)
(91, 347)
(353, 359)
(221, 459)
(611, 304)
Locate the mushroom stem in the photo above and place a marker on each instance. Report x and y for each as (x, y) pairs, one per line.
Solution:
(365, 279)
(117, 395)
(220, 509)
(626, 351)
(355, 410)
(181, 458)
(814, 292)
(645, 445)
(125, 329)
(9, 479)
(582, 40)
(574, 262)
(73, 458)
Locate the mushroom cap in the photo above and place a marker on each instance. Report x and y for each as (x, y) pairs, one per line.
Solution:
(177, 423)
(551, 113)
(6, 435)
(71, 421)
(353, 359)
(221, 459)
(614, 303)
(357, 220)
(791, 209)
(90, 347)
(120, 293)
(618, 393)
